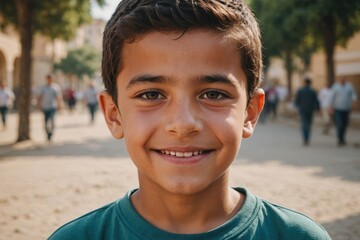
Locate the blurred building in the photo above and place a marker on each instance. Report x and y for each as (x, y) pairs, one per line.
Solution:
(347, 63)
(44, 53)
(90, 35)
(9, 56)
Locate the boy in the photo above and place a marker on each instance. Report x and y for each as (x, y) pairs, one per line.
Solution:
(181, 88)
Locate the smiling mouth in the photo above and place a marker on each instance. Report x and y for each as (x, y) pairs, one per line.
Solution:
(184, 154)
(181, 154)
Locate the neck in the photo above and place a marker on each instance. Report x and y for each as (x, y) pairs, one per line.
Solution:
(190, 213)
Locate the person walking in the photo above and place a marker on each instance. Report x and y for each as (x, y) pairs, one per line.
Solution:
(272, 99)
(70, 98)
(343, 94)
(49, 101)
(91, 100)
(307, 103)
(324, 98)
(6, 100)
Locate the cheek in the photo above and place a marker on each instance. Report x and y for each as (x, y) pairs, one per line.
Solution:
(138, 126)
(228, 128)
(230, 121)
(232, 132)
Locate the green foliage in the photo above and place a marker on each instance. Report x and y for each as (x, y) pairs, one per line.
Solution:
(345, 15)
(283, 24)
(299, 24)
(7, 10)
(303, 26)
(80, 62)
(55, 18)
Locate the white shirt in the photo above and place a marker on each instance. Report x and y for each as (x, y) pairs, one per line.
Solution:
(49, 96)
(342, 96)
(91, 95)
(6, 97)
(324, 97)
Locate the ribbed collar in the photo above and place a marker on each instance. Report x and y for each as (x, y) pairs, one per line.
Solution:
(234, 227)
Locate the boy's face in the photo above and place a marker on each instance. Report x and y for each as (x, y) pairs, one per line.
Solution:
(182, 109)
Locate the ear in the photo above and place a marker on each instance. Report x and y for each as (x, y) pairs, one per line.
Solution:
(253, 111)
(111, 114)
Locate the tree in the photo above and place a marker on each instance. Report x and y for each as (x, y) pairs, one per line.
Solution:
(283, 26)
(333, 22)
(56, 18)
(80, 62)
(302, 26)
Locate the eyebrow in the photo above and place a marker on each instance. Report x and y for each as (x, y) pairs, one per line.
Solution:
(218, 78)
(146, 78)
(201, 79)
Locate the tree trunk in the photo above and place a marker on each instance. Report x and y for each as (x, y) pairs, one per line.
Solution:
(25, 17)
(53, 55)
(289, 68)
(329, 42)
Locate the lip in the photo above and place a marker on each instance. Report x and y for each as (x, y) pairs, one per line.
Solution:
(183, 155)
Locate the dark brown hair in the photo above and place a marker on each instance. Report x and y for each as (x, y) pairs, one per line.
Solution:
(133, 18)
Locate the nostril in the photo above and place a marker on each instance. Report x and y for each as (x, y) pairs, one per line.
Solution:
(184, 127)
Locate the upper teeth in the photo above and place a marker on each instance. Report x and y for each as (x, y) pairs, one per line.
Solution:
(181, 154)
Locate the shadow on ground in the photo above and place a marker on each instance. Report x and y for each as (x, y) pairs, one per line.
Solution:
(282, 143)
(344, 229)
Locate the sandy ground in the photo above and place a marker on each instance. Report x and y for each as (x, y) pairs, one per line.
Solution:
(43, 185)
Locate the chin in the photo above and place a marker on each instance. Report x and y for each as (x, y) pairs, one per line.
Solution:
(185, 187)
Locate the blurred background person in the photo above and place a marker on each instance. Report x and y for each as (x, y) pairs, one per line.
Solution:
(272, 99)
(283, 94)
(7, 98)
(324, 98)
(342, 97)
(70, 98)
(50, 100)
(307, 103)
(91, 100)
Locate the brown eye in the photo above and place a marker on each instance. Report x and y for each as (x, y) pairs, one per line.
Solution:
(214, 95)
(152, 95)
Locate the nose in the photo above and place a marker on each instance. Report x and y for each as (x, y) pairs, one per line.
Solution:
(183, 119)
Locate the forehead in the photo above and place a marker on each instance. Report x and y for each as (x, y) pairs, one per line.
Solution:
(202, 37)
(194, 52)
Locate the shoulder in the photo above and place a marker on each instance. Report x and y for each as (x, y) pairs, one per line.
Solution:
(87, 226)
(335, 87)
(350, 86)
(314, 93)
(56, 87)
(292, 223)
(300, 90)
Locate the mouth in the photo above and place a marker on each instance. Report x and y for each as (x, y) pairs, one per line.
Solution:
(183, 154)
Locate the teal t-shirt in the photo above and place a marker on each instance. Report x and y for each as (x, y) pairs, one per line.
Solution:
(257, 219)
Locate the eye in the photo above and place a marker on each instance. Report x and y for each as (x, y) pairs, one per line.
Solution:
(214, 95)
(151, 95)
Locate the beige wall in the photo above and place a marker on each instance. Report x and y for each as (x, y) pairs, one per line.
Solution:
(9, 52)
(90, 35)
(42, 54)
(347, 63)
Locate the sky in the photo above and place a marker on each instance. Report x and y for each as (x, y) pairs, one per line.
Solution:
(104, 12)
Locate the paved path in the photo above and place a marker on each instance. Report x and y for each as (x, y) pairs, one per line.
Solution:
(43, 185)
